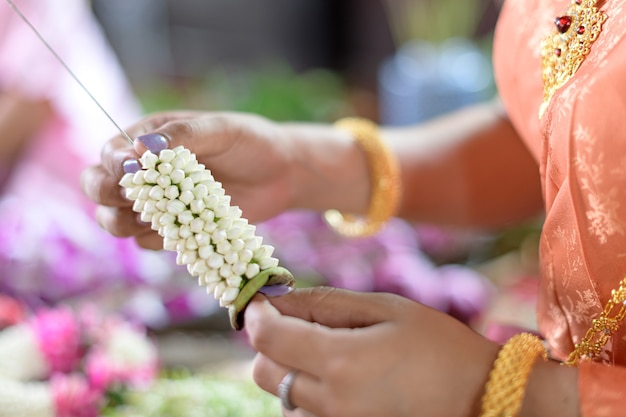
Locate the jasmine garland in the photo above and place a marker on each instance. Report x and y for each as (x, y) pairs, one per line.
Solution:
(187, 207)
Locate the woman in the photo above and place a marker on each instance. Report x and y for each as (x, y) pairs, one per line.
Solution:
(556, 142)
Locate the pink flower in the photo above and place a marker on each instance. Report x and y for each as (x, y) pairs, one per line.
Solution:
(122, 355)
(58, 333)
(11, 311)
(101, 373)
(105, 373)
(73, 397)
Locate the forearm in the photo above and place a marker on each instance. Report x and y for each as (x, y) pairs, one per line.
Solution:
(329, 170)
(467, 169)
(20, 118)
(552, 390)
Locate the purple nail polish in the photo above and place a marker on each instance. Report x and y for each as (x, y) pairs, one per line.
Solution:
(131, 166)
(275, 290)
(154, 142)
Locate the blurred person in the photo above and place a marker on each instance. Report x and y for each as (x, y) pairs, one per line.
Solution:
(51, 248)
(553, 143)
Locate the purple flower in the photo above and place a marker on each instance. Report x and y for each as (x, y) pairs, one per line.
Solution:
(396, 260)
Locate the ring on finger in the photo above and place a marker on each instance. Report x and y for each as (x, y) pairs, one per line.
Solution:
(284, 390)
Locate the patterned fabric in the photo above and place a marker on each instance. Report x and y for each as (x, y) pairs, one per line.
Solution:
(580, 145)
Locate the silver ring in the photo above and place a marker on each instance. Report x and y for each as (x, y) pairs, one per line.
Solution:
(284, 389)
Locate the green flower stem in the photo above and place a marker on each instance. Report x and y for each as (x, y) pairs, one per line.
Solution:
(271, 276)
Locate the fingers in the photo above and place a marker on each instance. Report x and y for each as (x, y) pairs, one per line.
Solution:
(337, 308)
(102, 187)
(298, 412)
(284, 338)
(120, 222)
(125, 223)
(149, 240)
(114, 153)
(305, 392)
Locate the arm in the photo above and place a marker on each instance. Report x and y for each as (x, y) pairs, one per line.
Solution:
(20, 118)
(469, 169)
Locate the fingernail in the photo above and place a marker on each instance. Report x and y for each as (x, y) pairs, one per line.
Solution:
(154, 142)
(131, 166)
(275, 290)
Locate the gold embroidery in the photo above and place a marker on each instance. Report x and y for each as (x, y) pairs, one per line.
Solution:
(562, 52)
(601, 328)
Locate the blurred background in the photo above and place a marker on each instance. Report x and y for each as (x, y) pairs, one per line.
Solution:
(167, 45)
(397, 62)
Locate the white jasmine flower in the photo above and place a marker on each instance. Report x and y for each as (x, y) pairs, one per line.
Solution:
(182, 201)
(127, 348)
(26, 399)
(21, 358)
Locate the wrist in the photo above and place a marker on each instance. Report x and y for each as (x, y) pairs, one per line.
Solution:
(552, 390)
(524, 382)
(507, 384)
(383, 179)
(328, 170)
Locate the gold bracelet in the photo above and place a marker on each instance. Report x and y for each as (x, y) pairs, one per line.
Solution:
(506, 386)
(384, 179)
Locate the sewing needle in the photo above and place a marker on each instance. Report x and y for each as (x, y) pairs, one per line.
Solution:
(67, 68)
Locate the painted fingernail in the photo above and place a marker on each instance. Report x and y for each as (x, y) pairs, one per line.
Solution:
(131, 166)
(275, 290)
(154, 142)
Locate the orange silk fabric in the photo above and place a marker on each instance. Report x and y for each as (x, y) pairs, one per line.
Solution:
(580, 145)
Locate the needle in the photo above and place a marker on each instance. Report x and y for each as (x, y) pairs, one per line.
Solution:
(67, 68)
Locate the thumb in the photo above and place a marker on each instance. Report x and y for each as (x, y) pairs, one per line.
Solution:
(338, 308)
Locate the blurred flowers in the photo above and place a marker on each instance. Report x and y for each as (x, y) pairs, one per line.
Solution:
(67, 362)
(52, 251)
(188, 395)
(395, 260)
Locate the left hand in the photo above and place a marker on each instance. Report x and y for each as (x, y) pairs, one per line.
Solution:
(363, 355)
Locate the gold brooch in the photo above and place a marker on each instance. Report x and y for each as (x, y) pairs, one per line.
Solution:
(563, 52)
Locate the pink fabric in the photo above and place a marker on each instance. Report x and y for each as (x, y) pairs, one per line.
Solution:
(602, 390)
(580, 145)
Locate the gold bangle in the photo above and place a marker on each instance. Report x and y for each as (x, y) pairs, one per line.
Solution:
(506, 386)
(384, 179)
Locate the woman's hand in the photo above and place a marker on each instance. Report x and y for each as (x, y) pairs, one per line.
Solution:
(368, 355)
(264, 166)
(246, 153)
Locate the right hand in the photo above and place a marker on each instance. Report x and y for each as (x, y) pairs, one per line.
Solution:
(250, 155)
(367, 354)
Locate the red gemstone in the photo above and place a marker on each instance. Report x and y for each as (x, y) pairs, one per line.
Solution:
(563, 23)
(557, 52)
(580, 30)
(579, 1)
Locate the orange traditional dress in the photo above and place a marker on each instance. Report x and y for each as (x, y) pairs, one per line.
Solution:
(579, 140)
